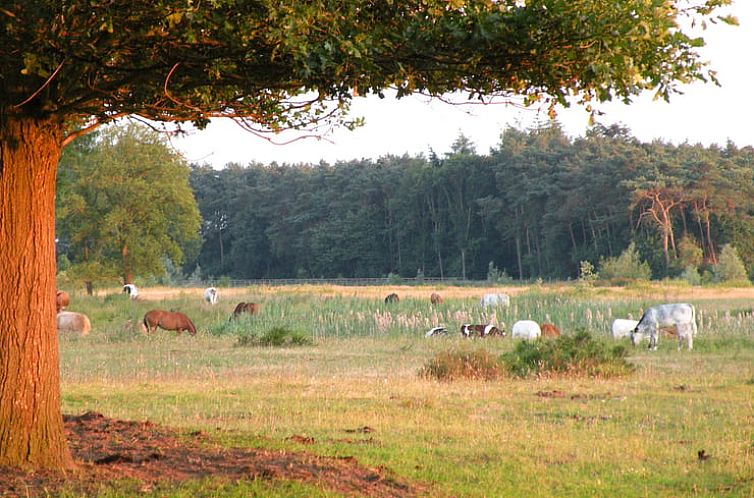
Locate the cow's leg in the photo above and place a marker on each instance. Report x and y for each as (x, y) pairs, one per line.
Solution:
(653, 339)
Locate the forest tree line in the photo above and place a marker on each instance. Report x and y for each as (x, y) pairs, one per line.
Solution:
(535, 206)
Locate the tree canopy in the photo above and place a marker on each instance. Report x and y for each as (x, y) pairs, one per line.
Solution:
(289, 64)
(124, 205)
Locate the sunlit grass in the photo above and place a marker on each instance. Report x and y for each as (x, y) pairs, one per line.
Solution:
(636, 435)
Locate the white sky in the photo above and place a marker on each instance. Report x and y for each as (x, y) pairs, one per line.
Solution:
(704, 113)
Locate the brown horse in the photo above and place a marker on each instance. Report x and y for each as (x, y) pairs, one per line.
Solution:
(62, 299)
(168, 320)
(392, 298)
(242, 308)
(549, 330)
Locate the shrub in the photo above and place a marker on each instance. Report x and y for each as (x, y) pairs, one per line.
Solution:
(278, 336)
(238, 326)
(587, 274)
(496, 276)
(462, 364)
(730, 268)
(691, 275)
(626, 266)
(578, 355)
(394, 279)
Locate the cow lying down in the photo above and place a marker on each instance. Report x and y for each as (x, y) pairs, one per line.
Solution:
(682, 316)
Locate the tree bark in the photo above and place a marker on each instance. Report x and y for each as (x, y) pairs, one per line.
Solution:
(31, 424)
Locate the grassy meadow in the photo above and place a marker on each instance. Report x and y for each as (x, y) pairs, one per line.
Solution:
(355, 390)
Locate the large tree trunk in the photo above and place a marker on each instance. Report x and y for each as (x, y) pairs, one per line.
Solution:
(31, 425)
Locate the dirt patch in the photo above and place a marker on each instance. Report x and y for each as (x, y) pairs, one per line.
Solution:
(106, 449)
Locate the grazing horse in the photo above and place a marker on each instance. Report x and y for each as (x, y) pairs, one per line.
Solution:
(550, 330)
(69, 321)
(245, 308)
(168, 320)
(62, 299)
(435, 298)
(210, 295)
(392, 298)
(131, 290)
(680, 316)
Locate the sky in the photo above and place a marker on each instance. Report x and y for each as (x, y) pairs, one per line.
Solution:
(704, 114)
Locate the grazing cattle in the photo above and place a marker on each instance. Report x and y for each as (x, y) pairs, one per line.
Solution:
(245, 308)
(392, 298)
(62, 299)
(622, 327)
(681, 316)
(549, 330)
(131, 290)
(469, 330)
(168, 320)
(435, 298)
(210, 295)
(69, 321)
(526, 329)
(495, 300)
(435, 331)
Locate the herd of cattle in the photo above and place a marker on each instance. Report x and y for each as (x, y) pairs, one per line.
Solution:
(678, 319)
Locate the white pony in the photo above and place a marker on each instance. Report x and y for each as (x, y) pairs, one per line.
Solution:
(210, 295)
(131, 290)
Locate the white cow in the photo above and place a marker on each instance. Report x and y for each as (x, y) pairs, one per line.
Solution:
(131, 290)
(495, 300)
(526, 329)
(70, 321)
(682, 316)
(210, 295)
(623, 328)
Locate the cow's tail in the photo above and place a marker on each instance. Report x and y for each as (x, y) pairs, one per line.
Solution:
(694, 330)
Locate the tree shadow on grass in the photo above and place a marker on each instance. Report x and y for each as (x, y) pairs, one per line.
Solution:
(106, 449)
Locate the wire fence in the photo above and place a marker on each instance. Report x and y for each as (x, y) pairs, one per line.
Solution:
(385, 281)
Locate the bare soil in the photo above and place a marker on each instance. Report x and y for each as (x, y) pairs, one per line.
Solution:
(106, 449)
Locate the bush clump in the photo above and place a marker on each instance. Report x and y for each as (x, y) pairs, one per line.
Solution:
(573, 355)
(276, 337)
(628, 266)
(462, 364)
(730, 269)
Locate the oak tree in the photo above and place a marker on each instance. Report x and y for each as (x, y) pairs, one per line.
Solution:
(68, 66)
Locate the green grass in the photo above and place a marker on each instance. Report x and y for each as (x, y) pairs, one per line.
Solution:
(632, 436)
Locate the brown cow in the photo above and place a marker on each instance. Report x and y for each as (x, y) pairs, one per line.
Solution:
(242, 308)
(469, 330)
(62, 299)
(168, 320)
(69, 321)
(392, 298)
(435, 298)
(549, 330)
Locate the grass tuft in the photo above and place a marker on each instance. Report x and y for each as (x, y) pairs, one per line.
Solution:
(275, 337)
(462, 364)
